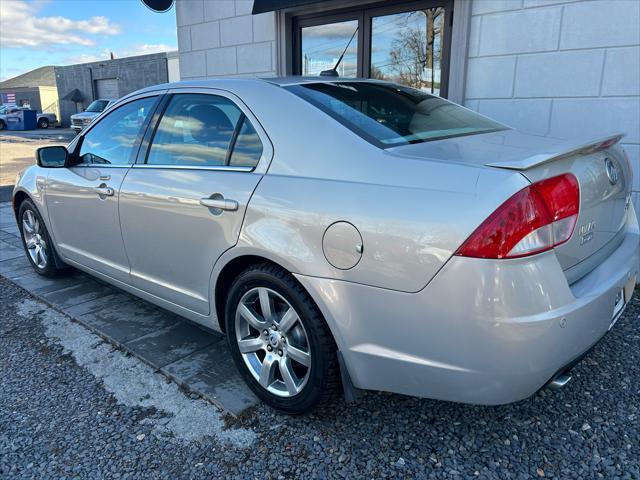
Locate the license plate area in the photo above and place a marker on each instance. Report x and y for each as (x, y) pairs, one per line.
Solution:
(622, 297)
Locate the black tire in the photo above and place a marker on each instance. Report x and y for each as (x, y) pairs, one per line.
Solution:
(54, 265)
(43, 123)
(322, 385)
(2, 125)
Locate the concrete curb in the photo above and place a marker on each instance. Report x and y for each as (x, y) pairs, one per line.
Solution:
(196, 359)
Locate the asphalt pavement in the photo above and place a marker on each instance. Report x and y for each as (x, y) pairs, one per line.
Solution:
(17, 149)
(53, 134)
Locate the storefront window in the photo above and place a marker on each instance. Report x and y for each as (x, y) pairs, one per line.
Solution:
(322, 46)
(400, 41)
(407, 48)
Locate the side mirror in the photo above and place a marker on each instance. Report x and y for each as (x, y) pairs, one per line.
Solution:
(52, 157)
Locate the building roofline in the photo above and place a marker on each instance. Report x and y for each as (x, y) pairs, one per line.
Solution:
(134, 58)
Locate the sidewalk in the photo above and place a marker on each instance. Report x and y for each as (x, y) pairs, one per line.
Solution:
(196, 359)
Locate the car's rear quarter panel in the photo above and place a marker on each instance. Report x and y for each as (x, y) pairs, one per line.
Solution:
(408, 233)
(412, 214)
(483, 331)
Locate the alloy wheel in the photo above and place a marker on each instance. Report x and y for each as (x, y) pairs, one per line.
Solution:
(34, 239)
(273, 342)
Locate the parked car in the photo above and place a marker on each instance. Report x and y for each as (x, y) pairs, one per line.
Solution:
(44, 120)
(346, 234)
(95, 108)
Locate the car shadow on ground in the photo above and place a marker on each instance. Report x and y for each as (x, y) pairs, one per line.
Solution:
(590, 425)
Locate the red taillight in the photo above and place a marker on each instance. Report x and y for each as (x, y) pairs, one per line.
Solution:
(537, 218)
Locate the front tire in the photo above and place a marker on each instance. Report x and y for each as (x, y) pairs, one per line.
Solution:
(43, 123)
(2, 125)
(279, 340)
(36, 241)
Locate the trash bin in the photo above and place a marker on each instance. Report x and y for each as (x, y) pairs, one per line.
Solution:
(22, 120)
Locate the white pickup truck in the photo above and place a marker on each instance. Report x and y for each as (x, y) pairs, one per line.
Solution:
(80, 120)
(44, 120)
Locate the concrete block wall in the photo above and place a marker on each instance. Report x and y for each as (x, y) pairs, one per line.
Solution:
(558, 67)
(132, 73)
(220, 38)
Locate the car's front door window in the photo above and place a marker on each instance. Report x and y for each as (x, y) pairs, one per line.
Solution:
(112, 140)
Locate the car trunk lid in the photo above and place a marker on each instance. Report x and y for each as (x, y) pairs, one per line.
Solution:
(603, 203)
(604, 176)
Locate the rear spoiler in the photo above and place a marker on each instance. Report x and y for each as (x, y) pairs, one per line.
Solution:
(562, 150)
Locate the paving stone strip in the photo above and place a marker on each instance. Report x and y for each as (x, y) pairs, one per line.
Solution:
(194, 358)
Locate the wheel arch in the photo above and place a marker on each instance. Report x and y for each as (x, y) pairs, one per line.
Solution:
(18, 198)
(227, 275)
(237, 259)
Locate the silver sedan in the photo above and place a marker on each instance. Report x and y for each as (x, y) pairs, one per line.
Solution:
(346, 234)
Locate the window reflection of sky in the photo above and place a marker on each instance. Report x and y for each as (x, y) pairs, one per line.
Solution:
(322, 46)
(386, 30)
(111, 141)
(197, 130)
(398, 48)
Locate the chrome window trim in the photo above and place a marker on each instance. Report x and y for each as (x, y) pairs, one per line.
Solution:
(224, 168)
(99, 165)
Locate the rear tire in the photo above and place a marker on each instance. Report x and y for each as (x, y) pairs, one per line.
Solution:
(43, 123)
(293, 367)
(2, 125)
(37, 242)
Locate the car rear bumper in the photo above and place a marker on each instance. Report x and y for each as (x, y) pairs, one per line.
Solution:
(483, 331)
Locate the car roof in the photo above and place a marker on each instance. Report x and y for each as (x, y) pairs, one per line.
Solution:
(279, 81)
(297, 80)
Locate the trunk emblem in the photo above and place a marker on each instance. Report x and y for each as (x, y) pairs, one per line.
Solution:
(586, 232)
(612, 171)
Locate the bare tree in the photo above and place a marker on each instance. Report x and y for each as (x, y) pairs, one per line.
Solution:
(413, 51)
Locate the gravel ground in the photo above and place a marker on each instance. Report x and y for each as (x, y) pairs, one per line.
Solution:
(72, 407)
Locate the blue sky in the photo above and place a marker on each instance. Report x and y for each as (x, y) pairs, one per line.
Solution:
(34, 33)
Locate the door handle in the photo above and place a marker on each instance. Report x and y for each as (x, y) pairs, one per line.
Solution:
(220, 203)
(104, 191)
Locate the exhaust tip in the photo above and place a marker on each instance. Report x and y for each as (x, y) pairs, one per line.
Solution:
(559, 381)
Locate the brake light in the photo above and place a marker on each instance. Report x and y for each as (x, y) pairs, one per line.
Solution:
(535, 219)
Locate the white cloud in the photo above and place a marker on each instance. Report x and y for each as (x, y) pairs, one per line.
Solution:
(85, 58)
(144, 49)
(331, 30)
(132, 51)
(20, 27)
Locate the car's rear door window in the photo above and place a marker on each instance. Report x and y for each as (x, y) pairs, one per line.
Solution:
(202, 130)
(388, 115)
(248, 147)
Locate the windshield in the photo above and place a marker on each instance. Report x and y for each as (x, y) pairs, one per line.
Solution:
(97, 106)
(389, 115)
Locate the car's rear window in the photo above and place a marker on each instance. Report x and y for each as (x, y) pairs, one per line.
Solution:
(390, 115)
